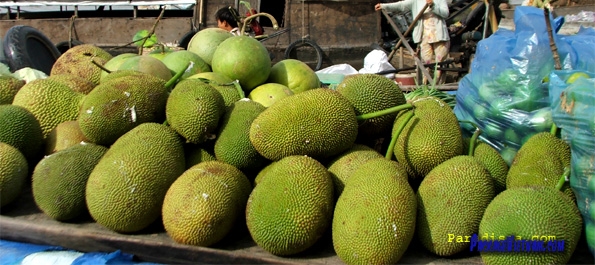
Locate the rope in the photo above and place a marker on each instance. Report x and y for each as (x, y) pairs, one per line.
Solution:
(303, 20)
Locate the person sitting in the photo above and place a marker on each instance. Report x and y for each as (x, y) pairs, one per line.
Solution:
(227, 21)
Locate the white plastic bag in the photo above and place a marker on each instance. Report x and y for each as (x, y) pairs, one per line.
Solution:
(377, 61)
(344, 69)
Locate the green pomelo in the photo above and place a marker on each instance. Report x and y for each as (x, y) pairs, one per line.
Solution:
(211, 76)
(269, 93)
(294, 74)
(205, 42)
(178, 60)
(147, 64)
(159, 52)
(244, 59)
(114, 63)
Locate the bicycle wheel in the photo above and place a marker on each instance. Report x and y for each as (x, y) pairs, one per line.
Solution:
(292, 52)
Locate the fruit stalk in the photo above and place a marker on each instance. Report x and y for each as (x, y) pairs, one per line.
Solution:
(393, 140)
(175, 78)
(563, 178)
(384, 112)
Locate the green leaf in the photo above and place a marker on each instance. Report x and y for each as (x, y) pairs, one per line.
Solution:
(142, 34)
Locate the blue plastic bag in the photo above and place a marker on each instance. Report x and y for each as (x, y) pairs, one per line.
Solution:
(573, 105)
(506, 92)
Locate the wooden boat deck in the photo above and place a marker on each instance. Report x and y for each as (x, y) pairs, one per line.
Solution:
(22, 221)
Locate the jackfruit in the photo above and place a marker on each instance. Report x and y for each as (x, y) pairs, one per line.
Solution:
(537, 213)
(126, 188)
(233, 144)
(59, 180)
(78, 61)
(492, 160)
(540, 162)
(223, 84)
(50, 101)
(65, 135)
(204, 203)
(343, 165)
(318, 122)
(291, 207)
(374, 218)
(14, 172)
(19, 128)
(76, 83)
(432, 136)
(369, 93)
(193, 110)
(9, 86)
(451, 199)
(197, 153)
(115, 107)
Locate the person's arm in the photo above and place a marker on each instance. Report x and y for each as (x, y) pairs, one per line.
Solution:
(440, 8)
(402, 6)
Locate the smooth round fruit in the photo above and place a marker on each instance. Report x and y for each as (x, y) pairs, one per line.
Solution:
(244, 59)
(178, 60)
(147, 64)
(269, 93)
(294, 74)
(114, 63)
(216, 77)
(573, 77)
(205, 42)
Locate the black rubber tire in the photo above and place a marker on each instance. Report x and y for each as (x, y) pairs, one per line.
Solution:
(2, 57)
(306, 42)
(63, 45)
(185, 40)
(25, 46)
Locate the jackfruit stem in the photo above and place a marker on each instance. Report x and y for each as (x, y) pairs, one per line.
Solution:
(554, 129)
(563, 178)
(384, 112)
(393, 140)
(473, 140)
(175, 78)
(100, 66)
(236, 83)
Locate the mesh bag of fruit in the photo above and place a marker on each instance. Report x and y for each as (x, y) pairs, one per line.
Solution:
(573, 105)
(506, 93)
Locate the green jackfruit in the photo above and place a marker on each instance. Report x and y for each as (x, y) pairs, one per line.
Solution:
(431, 136)
(65, 135)
(540, 161)
(59, 180)
(492, 160)
(14, 172)
(9, 86)
(50, 101)
(19, 128)
(374, 219)
(318, 122)
(205, 202)
(451, 201)
(197, 153)
(76, 83)
(291, 207)
(535, 213)
(343, 165)
(369, 93)
(115, 107)
(78, 61)
(126, 188)
(233, 144)
(193, 110)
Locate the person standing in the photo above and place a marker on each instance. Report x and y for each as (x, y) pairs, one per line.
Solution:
(430, 33)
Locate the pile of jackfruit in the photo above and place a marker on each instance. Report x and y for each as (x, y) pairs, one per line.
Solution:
(361, 162)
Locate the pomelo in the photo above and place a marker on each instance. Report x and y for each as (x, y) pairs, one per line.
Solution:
(244, 59)
(114, 63)
(294, 74)
(205, 42)
(269, 93)
(177, 61)
(147, 64)
(219, 78)
(160, 52)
